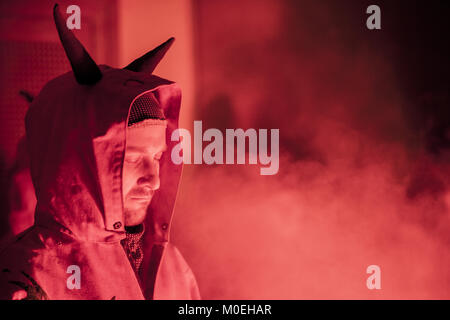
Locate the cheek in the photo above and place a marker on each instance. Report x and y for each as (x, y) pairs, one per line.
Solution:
(128, 178)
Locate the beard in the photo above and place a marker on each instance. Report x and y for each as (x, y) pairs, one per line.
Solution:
(136, 205)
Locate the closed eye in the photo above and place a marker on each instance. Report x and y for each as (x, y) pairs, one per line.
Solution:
(132, 159)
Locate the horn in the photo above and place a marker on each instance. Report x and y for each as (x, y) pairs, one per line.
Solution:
(84, 68)
(149, 61)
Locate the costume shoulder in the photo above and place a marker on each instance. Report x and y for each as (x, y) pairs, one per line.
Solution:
(17, 268)
(175, 280)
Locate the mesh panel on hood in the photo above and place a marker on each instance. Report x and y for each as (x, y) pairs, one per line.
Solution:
(145, 107)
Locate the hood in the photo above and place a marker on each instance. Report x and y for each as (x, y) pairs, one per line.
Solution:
(76, 137)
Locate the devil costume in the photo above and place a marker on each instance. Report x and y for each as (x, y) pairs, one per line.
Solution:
(76, 135)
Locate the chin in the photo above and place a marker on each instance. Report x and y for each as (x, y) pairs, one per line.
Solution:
(135, 216)
(134, 221)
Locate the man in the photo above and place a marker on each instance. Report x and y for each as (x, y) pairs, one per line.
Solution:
(99, 146)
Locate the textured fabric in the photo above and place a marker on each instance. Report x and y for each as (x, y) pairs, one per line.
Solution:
(145, 107)
(133, 244)
(148, 123)
(76, 139)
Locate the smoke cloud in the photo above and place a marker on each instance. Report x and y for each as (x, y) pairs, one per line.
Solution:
(364, 170)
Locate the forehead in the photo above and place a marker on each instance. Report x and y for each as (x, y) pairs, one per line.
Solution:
(149, 137)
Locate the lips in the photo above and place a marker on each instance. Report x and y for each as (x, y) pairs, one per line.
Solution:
(141, 195)
(140, 199)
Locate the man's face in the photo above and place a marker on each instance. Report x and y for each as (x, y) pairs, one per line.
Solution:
(141, 170)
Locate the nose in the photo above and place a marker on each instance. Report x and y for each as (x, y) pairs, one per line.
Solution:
(149, 176)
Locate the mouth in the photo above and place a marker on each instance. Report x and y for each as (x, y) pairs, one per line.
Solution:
(142, 197)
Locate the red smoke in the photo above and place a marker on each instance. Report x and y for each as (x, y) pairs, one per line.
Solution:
(356, 185)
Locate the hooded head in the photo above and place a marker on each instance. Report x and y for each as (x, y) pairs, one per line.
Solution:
(99, 143)
(146, 143)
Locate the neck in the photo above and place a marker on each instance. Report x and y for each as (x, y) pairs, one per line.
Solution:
(134, 229)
